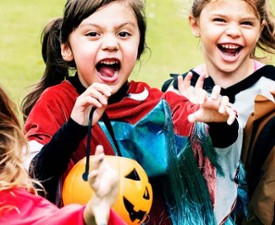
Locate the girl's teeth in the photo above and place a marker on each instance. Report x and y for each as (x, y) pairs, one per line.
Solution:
(230, 46)
(108, 62)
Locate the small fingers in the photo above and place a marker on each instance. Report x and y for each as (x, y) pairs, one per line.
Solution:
(215, 95)
(90, 101)
(202, 96)
(225, 108)
(224, 103)
(232, 115)
(92, 175)
(184, 84)
(192, 117)
(200, 81)
(199, 91)
(98, 157)
(195, 94)
(99, 150)
(100, 92)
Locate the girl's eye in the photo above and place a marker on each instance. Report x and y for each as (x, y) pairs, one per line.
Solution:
(124, 34)
(247, 23)
(219, 20)
(92, 34)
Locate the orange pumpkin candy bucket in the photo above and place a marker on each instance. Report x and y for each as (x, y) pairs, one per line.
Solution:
(135, 196)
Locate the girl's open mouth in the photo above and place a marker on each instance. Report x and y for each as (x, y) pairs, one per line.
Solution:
(108, 69)
(230, 49)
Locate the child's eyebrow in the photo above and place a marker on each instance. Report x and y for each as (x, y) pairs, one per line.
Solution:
(127, 23)
(118, 26)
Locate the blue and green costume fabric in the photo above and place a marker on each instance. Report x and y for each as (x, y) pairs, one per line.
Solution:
(149, 126)
(152, 142)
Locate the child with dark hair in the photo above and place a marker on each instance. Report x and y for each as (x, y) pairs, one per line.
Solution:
(172, 138)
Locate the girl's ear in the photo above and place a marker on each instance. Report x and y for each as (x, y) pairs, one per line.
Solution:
(193, 22)
(66, 52)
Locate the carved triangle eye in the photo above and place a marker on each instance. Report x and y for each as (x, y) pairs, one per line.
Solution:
(146, 194)
(133, 175)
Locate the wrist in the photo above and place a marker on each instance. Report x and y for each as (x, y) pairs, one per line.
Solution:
(89, 218)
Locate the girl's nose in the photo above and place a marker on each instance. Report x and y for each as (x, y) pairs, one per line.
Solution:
(110, 42)
(233, 30)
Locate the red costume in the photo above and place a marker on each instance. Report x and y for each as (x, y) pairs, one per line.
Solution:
(18, 206)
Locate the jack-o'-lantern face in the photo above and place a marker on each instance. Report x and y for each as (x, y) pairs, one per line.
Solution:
(135, 196)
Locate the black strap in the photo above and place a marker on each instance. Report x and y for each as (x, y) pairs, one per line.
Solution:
(88, 149)
(107, 123)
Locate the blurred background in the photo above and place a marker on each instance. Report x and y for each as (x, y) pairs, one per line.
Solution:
(173, 49)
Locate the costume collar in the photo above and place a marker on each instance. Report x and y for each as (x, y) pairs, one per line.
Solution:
(267, 71)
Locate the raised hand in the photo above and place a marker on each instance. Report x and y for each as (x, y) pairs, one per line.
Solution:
(94, 96)
(105, 183)
(213, 107)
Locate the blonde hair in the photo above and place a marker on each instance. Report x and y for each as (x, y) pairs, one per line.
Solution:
(13, 148)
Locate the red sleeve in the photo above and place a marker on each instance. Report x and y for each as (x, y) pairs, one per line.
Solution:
(21, 207)
(50, 112)
(114, 219)
(17, 206)
(181, 108)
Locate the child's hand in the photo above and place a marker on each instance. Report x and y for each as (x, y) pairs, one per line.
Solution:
(104, 181)
(213, 108)
(94, 96)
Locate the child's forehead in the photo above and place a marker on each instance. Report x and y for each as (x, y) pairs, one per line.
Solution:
(248, 5)
(251, 3)
(114, 13)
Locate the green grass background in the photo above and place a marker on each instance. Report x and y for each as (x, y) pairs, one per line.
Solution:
(172, 46)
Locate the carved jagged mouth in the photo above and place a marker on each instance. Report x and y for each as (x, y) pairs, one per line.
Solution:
(108, 67)
(134, 215)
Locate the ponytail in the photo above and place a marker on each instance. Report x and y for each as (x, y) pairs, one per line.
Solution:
(266, 41)
(56, 68)
(267, 38)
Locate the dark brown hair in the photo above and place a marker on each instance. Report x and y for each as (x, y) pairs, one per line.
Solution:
(58, 30)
